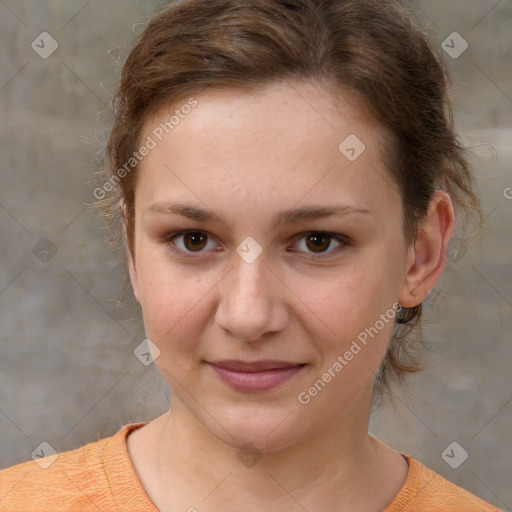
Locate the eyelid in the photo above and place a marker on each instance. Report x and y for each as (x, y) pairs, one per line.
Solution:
(342, 239)
(167, 240)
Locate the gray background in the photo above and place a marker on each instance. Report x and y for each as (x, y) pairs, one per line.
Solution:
(68, 321)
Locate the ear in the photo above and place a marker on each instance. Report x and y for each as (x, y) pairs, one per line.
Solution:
(426, 259)
(134, 278)
(131, 254)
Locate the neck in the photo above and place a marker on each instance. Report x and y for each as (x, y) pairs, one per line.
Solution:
(341, 465)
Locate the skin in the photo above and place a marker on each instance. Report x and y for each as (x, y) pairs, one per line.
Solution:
(246, 157)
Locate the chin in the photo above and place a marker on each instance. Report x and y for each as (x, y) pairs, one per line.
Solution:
(257, 431)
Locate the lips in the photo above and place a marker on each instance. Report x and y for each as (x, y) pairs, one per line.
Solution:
(256, 376)
(256, 366)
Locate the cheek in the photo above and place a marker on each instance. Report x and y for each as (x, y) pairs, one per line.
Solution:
(173, 301)
(352, 304)
(360, 319)
(350, 296)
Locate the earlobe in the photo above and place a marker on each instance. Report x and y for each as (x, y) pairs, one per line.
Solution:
(426, 259)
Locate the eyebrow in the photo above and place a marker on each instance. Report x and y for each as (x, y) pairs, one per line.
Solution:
(284, 217)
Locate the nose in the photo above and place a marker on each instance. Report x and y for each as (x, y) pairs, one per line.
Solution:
(252, 301)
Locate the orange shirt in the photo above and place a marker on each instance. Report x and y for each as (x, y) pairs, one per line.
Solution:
(99, 476)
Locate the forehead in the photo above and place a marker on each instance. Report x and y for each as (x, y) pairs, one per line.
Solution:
(284, 141)
(315, 108)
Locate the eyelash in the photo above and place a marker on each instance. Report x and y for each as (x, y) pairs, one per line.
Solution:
(343, 240)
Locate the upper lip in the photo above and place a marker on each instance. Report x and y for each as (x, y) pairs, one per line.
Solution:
(255, 366)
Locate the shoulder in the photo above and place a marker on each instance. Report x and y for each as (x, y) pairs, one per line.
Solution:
(426, 491)
(73, 480)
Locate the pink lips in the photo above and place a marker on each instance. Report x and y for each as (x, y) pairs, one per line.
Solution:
(256, 376)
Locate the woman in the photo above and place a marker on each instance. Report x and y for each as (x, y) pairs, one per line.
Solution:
(286, 177)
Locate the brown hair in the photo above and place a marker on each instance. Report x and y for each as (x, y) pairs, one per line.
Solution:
(371, 48)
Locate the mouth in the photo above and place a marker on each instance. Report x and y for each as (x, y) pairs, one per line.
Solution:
(255, 366)
(255, 376)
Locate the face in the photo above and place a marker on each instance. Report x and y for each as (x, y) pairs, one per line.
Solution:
(257, 238)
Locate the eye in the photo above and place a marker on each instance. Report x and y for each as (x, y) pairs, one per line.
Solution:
(318, 242)
(314, 243)
(192, 242)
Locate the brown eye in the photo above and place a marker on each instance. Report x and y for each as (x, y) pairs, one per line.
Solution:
(189, 242)
(318, 242)
(194, 240)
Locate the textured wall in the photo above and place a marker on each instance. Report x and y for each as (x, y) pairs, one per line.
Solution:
(68, 374)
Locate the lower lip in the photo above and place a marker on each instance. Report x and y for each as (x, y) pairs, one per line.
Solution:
(256, 381)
